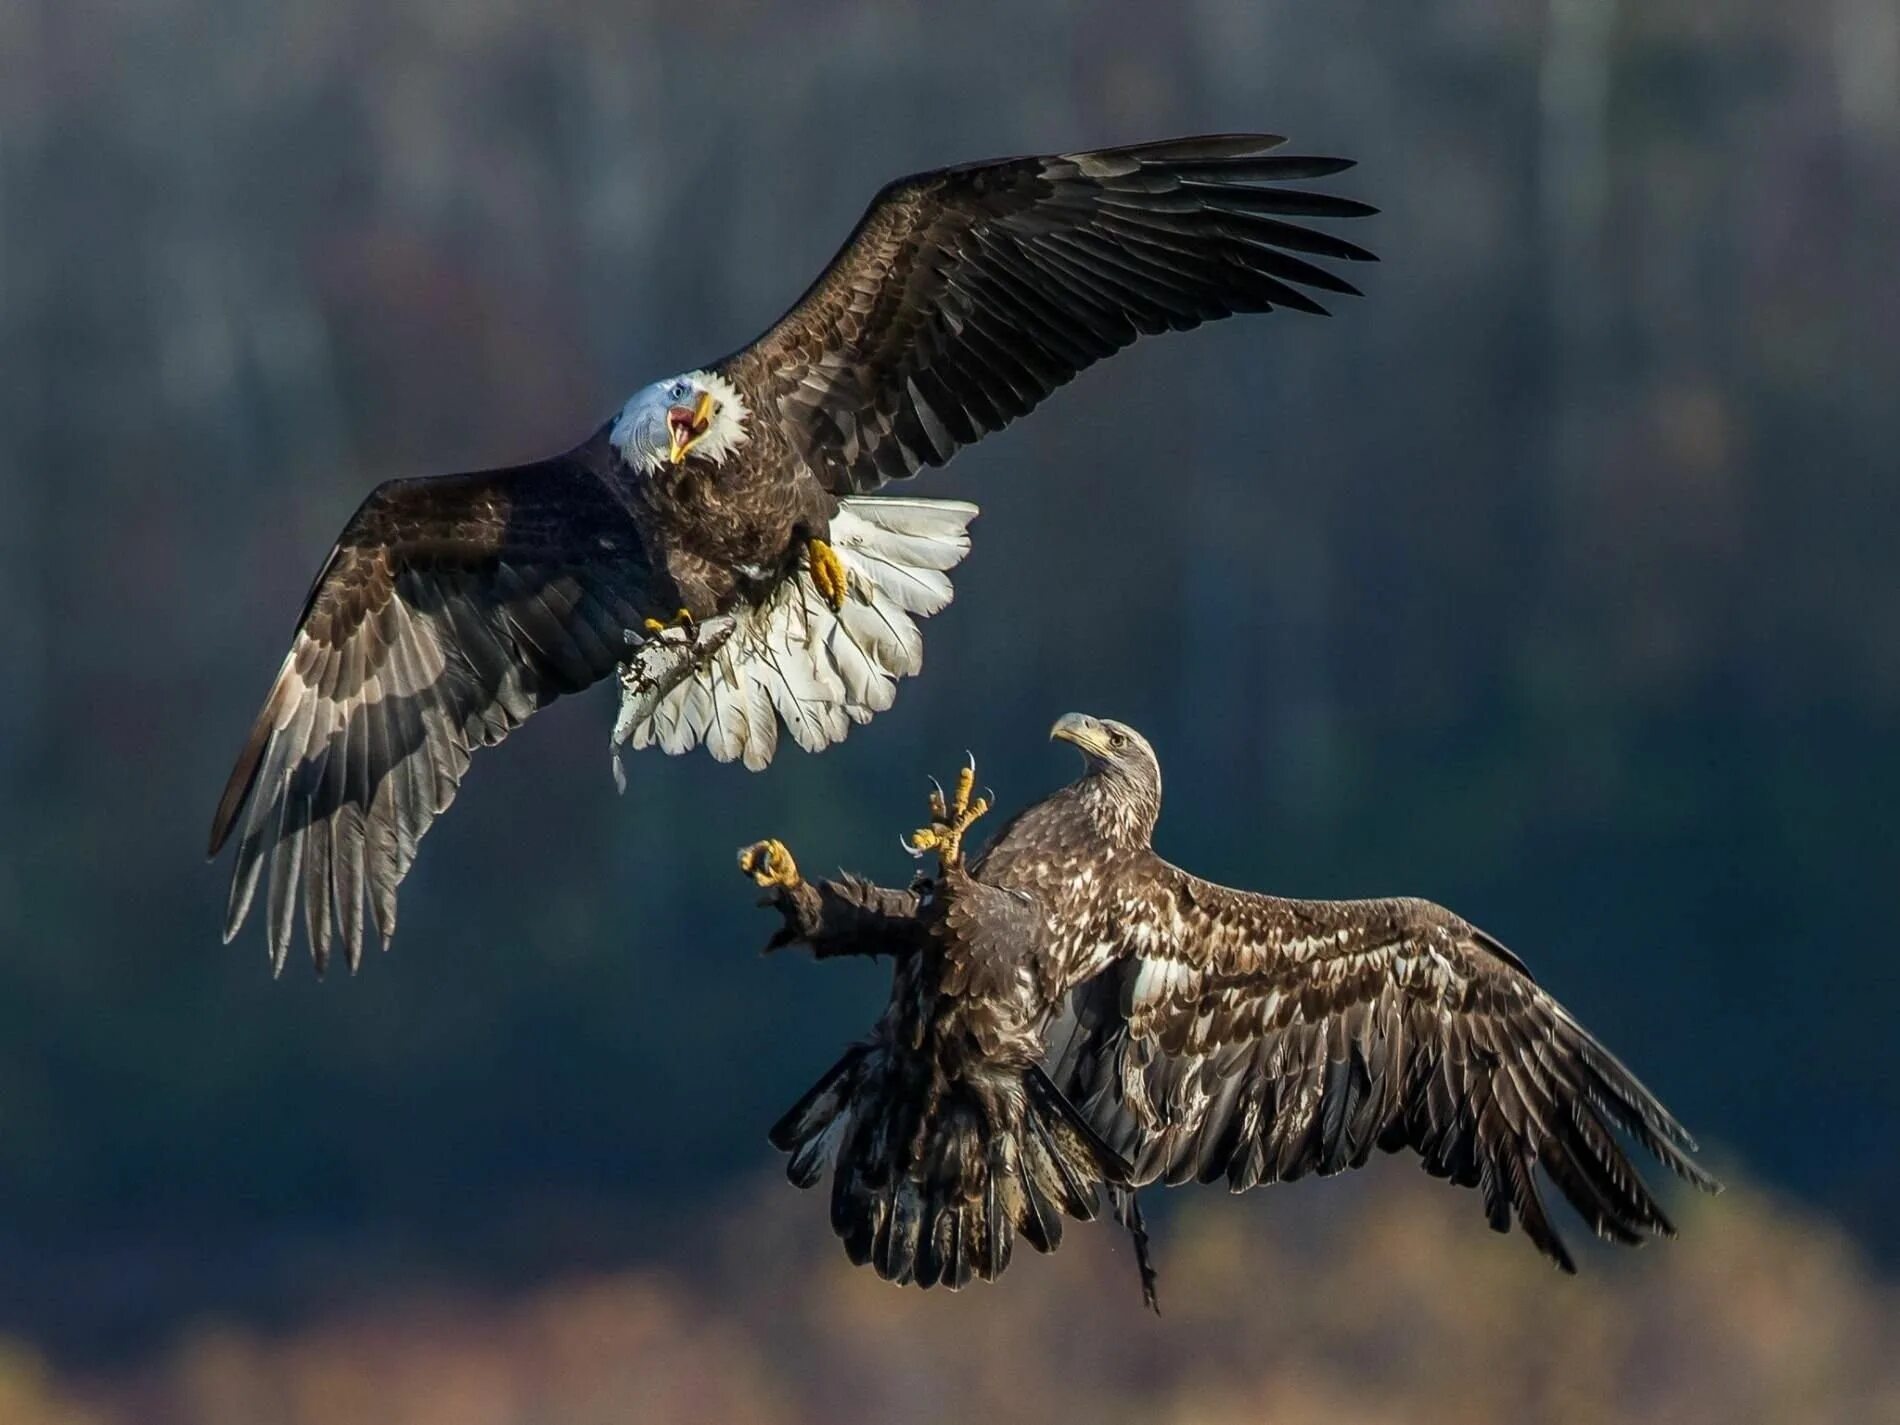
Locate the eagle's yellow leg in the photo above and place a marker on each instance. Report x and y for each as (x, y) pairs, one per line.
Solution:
(683, 619)
(827, 572)
(950, 820)
(770, 864)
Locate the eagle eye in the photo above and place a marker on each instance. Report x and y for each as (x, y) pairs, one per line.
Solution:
(1117, 740)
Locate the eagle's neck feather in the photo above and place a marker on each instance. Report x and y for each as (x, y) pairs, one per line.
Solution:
(727, 431)
(1122, 814)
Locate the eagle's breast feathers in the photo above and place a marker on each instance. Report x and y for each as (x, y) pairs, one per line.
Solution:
(964, 297)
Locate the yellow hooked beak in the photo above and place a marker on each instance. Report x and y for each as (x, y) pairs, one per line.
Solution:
(1084, 731)
(685, 426)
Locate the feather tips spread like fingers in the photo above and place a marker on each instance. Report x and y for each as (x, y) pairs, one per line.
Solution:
(1260, 1040)
(965, 296)
(449, 611)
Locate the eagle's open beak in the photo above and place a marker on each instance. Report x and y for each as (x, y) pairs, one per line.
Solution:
(685, 425)
(1084, 731)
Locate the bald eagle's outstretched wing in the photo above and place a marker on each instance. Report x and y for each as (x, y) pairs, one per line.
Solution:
(1256, 1039)
(966, 295)
(450, 610)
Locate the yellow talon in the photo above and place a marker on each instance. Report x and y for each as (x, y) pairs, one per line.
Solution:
(966, 780)
(683, 619)
(827, 572)
(769, 864)
(949, 822)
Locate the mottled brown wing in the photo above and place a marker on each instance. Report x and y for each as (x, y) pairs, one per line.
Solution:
(966, 295)
(1256, 1039)
(450, 610)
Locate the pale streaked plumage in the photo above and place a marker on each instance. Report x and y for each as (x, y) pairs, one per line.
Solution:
(1200, 1033)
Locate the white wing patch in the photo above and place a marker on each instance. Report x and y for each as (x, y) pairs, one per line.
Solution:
(792, 658)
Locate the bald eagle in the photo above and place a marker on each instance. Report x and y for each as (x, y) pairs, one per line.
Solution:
(1070, 1013)
(714, 543)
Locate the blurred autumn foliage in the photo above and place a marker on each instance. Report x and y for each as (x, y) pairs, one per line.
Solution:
(1554, 580)
(1365, 1301)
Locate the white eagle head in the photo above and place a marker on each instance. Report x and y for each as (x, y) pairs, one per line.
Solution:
(700, 415)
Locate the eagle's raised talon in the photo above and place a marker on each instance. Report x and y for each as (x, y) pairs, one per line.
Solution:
(770, 864)
(827, 572)
(948, 822)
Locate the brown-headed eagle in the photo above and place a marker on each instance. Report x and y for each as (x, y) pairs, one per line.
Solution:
(1070, 1012)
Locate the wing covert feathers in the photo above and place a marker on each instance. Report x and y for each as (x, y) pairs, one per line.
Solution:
(450, 610)
(1261, 1040)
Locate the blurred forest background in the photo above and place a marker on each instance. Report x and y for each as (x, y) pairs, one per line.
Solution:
(1553, 580)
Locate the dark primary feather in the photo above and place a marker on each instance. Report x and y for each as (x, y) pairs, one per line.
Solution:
(449, 611)
(1253, 1039)
(966, 295)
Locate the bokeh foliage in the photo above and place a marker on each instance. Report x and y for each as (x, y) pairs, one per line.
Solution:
(1553, 580)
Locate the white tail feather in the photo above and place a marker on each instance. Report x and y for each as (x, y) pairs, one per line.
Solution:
(791, 657)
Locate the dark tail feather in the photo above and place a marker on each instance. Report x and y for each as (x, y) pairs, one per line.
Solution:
(933, 1177)
(807, 1120)
(1127, 1203)
(999, 1231)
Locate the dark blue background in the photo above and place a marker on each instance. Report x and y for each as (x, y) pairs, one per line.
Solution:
(1552, 580)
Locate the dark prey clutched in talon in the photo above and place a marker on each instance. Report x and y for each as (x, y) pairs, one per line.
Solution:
(731, 507)
(1069, 1011)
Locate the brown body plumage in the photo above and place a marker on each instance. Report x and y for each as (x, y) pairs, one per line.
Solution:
(734, 529)
(946, 1137)
(452, 608)
(1203, 1033)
